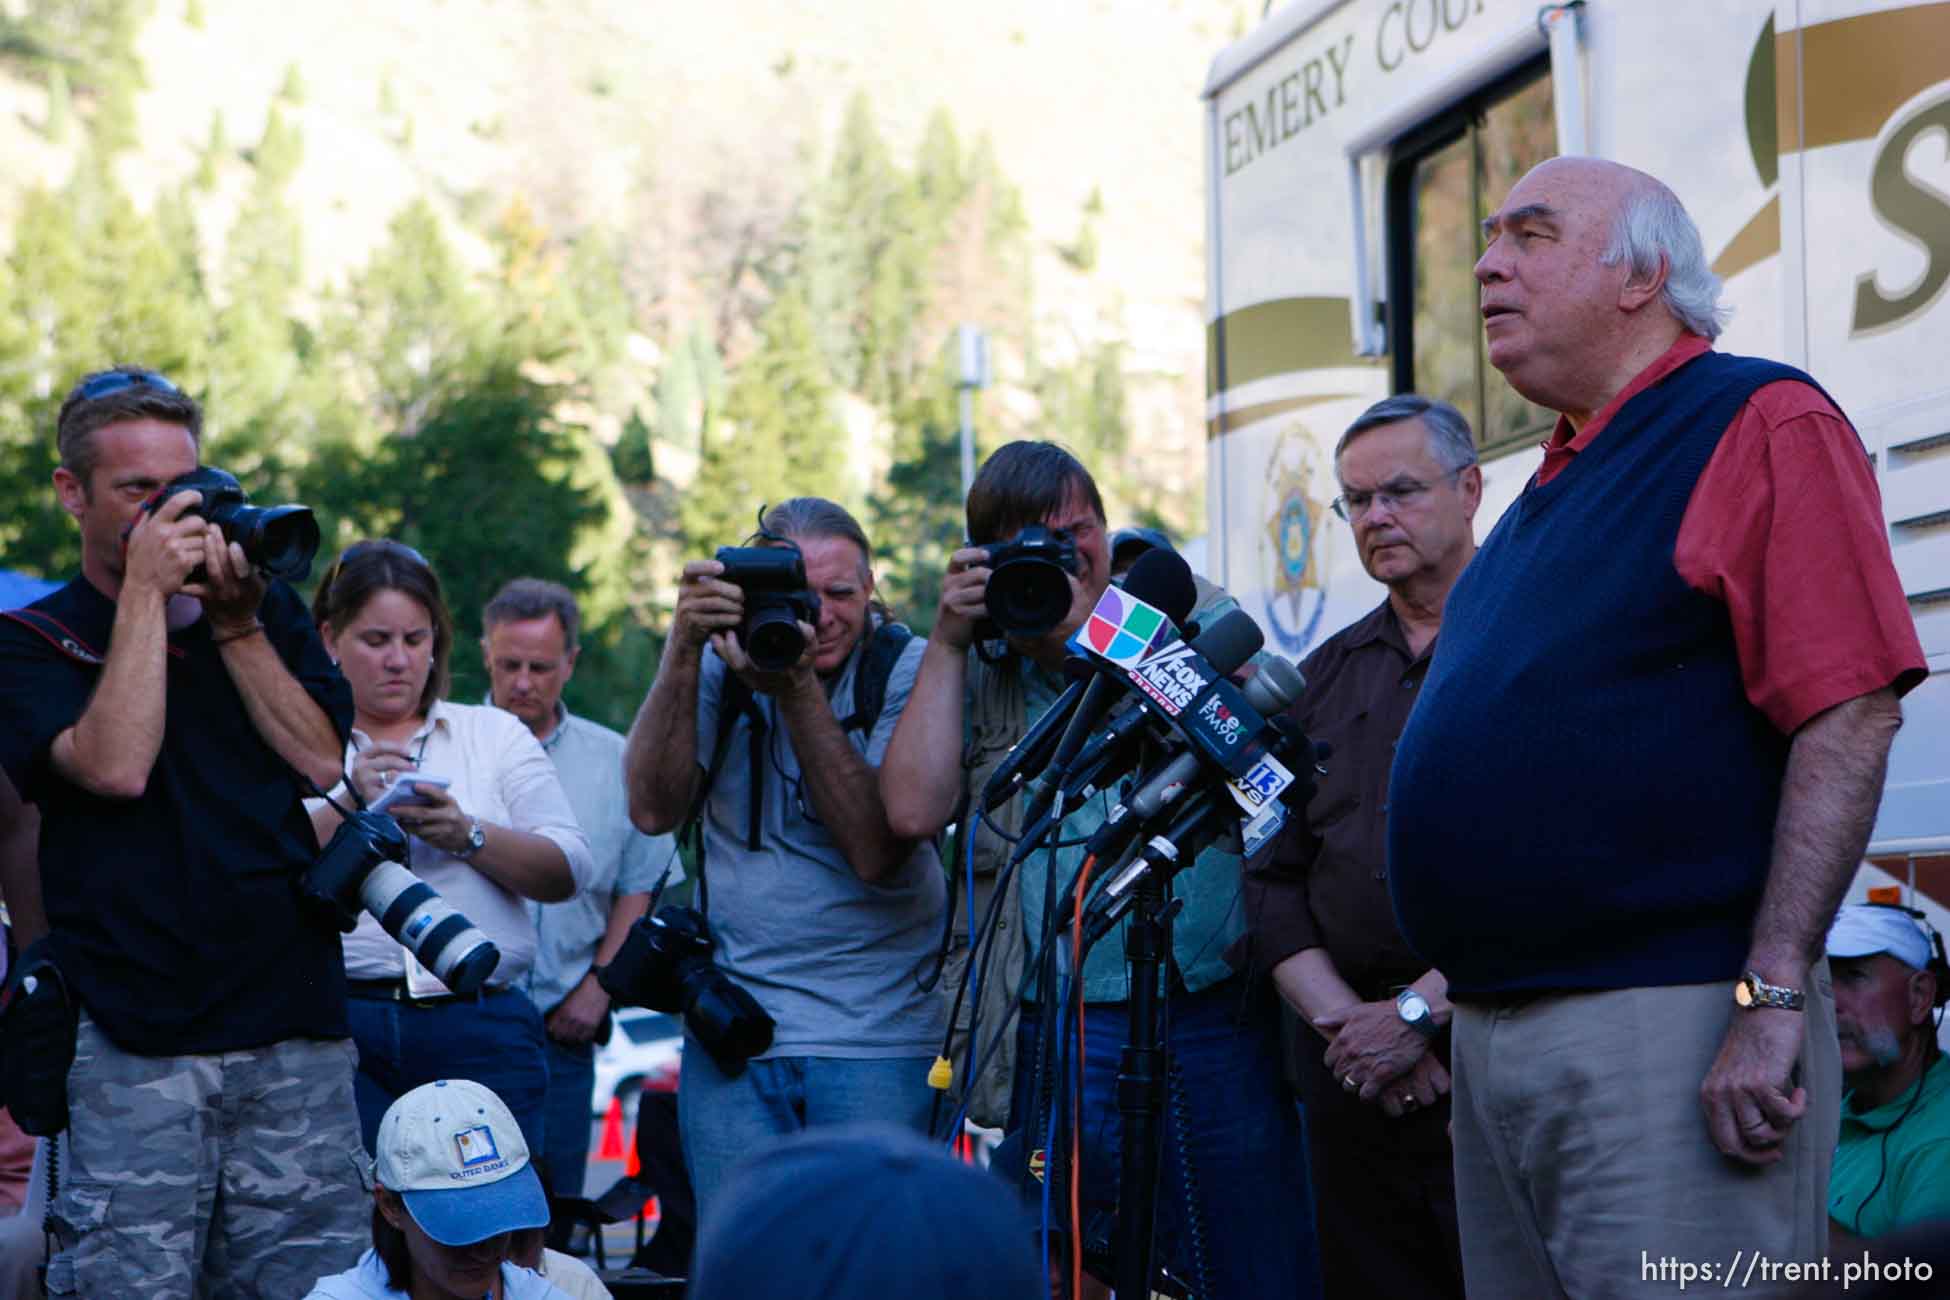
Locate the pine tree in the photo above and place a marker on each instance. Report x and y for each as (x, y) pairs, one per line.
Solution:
(918, 522)
(409, 326)
(60, 110)
(280, 151)
(779, 438)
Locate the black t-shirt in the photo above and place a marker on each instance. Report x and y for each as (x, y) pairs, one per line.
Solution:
(174, 915)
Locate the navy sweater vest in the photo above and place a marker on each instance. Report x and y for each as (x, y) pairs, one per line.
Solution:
(1584, 798)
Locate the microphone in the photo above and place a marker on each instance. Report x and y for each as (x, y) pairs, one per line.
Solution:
(1277, 684)
(1030, 755)
(1160, 579)
(1226, 646)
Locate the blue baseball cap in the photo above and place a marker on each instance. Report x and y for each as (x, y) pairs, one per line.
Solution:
(455, 1155)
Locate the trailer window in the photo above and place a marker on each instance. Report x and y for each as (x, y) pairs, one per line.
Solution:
(1442, 181)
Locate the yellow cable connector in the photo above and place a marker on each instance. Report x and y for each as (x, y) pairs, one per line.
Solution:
(941, 1074)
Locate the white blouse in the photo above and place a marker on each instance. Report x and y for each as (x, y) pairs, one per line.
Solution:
(501, 775)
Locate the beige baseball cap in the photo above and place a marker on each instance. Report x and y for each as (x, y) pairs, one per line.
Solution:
(455, 1155)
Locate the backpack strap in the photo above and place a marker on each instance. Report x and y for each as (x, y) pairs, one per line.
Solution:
(884, 650)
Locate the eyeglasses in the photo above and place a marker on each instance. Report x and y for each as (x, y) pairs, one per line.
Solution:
(115, 381)
(1401, 493)
(367, 547)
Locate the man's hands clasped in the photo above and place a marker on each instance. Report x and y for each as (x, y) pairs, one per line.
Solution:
(1377, 1055)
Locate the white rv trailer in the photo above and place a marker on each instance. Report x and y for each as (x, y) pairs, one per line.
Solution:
(1352, 148)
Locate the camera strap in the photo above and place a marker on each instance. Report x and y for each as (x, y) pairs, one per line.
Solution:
(58, 635)
(884, 649)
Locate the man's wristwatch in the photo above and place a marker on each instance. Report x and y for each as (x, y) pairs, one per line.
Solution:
(476, 839)
(1414, 1010)
(1751, 992)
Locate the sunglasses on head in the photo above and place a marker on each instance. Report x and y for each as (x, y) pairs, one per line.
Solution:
(367, 547)
(115, 381)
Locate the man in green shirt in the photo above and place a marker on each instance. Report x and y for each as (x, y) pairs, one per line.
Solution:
(1892, 1164)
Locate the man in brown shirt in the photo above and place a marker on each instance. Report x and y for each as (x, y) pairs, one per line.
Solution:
(1369, 1056)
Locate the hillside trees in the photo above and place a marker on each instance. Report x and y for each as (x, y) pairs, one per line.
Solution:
(566, 402)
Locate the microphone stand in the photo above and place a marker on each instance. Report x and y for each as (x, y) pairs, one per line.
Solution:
(1146, 1056)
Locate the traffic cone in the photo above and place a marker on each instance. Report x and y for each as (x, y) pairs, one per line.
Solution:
(612, 1144)
(631, 1165)
(652, 1212)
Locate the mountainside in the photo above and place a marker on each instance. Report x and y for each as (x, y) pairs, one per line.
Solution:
(605, 277)
(633, 114)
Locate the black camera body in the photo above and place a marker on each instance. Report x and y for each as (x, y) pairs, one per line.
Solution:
(665, 964)
(360, 870)
(1029, 581)
(280, 540)
(777, 600)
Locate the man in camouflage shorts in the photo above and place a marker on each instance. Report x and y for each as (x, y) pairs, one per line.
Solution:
(162, 711)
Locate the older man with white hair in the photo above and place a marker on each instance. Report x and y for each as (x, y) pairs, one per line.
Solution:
(1643, 768)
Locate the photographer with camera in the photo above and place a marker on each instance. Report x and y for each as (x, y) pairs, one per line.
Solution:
(818, 910)
(1233, 1212)
(165, 711)
(489, 829)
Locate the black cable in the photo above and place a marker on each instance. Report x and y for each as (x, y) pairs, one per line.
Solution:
(1882, 1162)
(1195, 1230)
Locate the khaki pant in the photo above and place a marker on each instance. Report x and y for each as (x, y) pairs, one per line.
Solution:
(1583, 1162)
(237, 1174)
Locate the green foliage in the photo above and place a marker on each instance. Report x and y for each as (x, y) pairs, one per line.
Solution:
(459, 409)
(193, 14)
(917, 523)
(279, 152)
(1081, 253)
(96, 39)
(633, 456)
(690, 386)
(409, 327)
(480, 489)
(60, 110)
(865, 262)
(89, 281)
(780, 436)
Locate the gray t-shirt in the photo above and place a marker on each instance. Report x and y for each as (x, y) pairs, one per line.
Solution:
(835, 961)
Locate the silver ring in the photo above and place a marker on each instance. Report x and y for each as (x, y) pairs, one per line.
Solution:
(1409, 1102)
(1347, 1082)
(389, 778)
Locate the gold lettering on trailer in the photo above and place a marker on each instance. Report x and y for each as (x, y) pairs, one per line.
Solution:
(1408, 28)
(1289, 106)
(1915, 210)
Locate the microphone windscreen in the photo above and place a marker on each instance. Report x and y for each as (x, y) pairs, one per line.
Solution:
(1277, 684)
(1230, 642)
(1163, 579)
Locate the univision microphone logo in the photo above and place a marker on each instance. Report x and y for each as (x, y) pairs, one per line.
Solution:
(1122, 629)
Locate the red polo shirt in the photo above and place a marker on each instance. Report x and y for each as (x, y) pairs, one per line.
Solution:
(1785, 528)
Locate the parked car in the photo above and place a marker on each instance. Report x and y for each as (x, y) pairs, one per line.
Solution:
(645, 1051)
